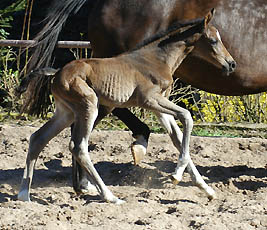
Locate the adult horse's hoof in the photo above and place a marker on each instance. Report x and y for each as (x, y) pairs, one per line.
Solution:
(138, 149)
(138, 153)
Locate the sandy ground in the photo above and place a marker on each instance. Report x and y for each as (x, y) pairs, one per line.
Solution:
(235, 168)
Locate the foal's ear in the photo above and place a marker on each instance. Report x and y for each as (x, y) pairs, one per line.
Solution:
(209, 17)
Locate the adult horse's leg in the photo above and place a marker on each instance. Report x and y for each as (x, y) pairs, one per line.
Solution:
(62, 119)
(140, 132)
(176, 136)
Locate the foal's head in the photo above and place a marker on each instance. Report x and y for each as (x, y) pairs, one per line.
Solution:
(210, 48)
(204, 41)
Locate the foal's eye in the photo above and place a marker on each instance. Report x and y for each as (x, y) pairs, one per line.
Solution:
(213, 41)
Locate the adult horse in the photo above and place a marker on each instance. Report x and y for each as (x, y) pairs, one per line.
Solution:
(242, 25)
(116, 26)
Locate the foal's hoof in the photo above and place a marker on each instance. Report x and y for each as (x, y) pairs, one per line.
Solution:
(138, 149)
(119, 201)
(212, 197)
(115, 200)
(175, 180)
(211, 194)
(85, 188)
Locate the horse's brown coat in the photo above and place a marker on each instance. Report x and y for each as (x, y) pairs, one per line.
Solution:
(125, 24)
(82, 84)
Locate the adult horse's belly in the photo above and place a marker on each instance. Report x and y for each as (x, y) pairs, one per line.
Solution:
(242, 25)
(205, 76)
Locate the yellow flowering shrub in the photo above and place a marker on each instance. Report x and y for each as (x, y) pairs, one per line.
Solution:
(216, 108)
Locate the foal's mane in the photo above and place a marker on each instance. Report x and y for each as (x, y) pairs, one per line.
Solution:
(171, 34)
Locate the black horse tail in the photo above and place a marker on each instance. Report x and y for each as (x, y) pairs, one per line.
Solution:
(48, 36)
(37, 85)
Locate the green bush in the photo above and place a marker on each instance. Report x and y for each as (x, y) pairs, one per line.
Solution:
(8, 75)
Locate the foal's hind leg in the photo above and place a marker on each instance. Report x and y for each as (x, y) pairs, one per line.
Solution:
(176, 136)
(85, 116)
(141, 132)
(79, 148)
(81, 182)
(62, 119)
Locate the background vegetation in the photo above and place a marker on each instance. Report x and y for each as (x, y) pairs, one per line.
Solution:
(208, 109)
(9, 62)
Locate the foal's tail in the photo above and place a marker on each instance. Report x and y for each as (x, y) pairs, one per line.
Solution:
(48, 36)
(37, 85)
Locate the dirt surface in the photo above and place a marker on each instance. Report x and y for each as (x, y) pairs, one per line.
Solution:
(235, 168)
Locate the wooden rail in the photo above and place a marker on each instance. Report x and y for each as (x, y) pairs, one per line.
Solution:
(60, 44)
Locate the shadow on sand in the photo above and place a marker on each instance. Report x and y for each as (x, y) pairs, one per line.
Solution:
(126, 174)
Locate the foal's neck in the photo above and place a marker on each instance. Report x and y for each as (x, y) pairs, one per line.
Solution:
(172, 49)
(173, 54)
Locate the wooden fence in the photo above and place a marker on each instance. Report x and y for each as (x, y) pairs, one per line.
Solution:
(60, 44)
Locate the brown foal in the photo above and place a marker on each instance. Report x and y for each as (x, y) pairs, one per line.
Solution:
(143, 78)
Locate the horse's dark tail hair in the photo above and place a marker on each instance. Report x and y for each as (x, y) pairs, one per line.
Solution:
(48, 36)
(37, 85)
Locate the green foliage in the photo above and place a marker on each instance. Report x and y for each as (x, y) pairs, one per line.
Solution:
(8, 76)
(8, 79)
(6, 16)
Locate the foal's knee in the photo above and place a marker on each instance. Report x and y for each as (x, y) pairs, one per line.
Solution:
(187, 120)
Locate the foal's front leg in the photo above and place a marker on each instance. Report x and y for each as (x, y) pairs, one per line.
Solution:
(176, 136)
(161, 105)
